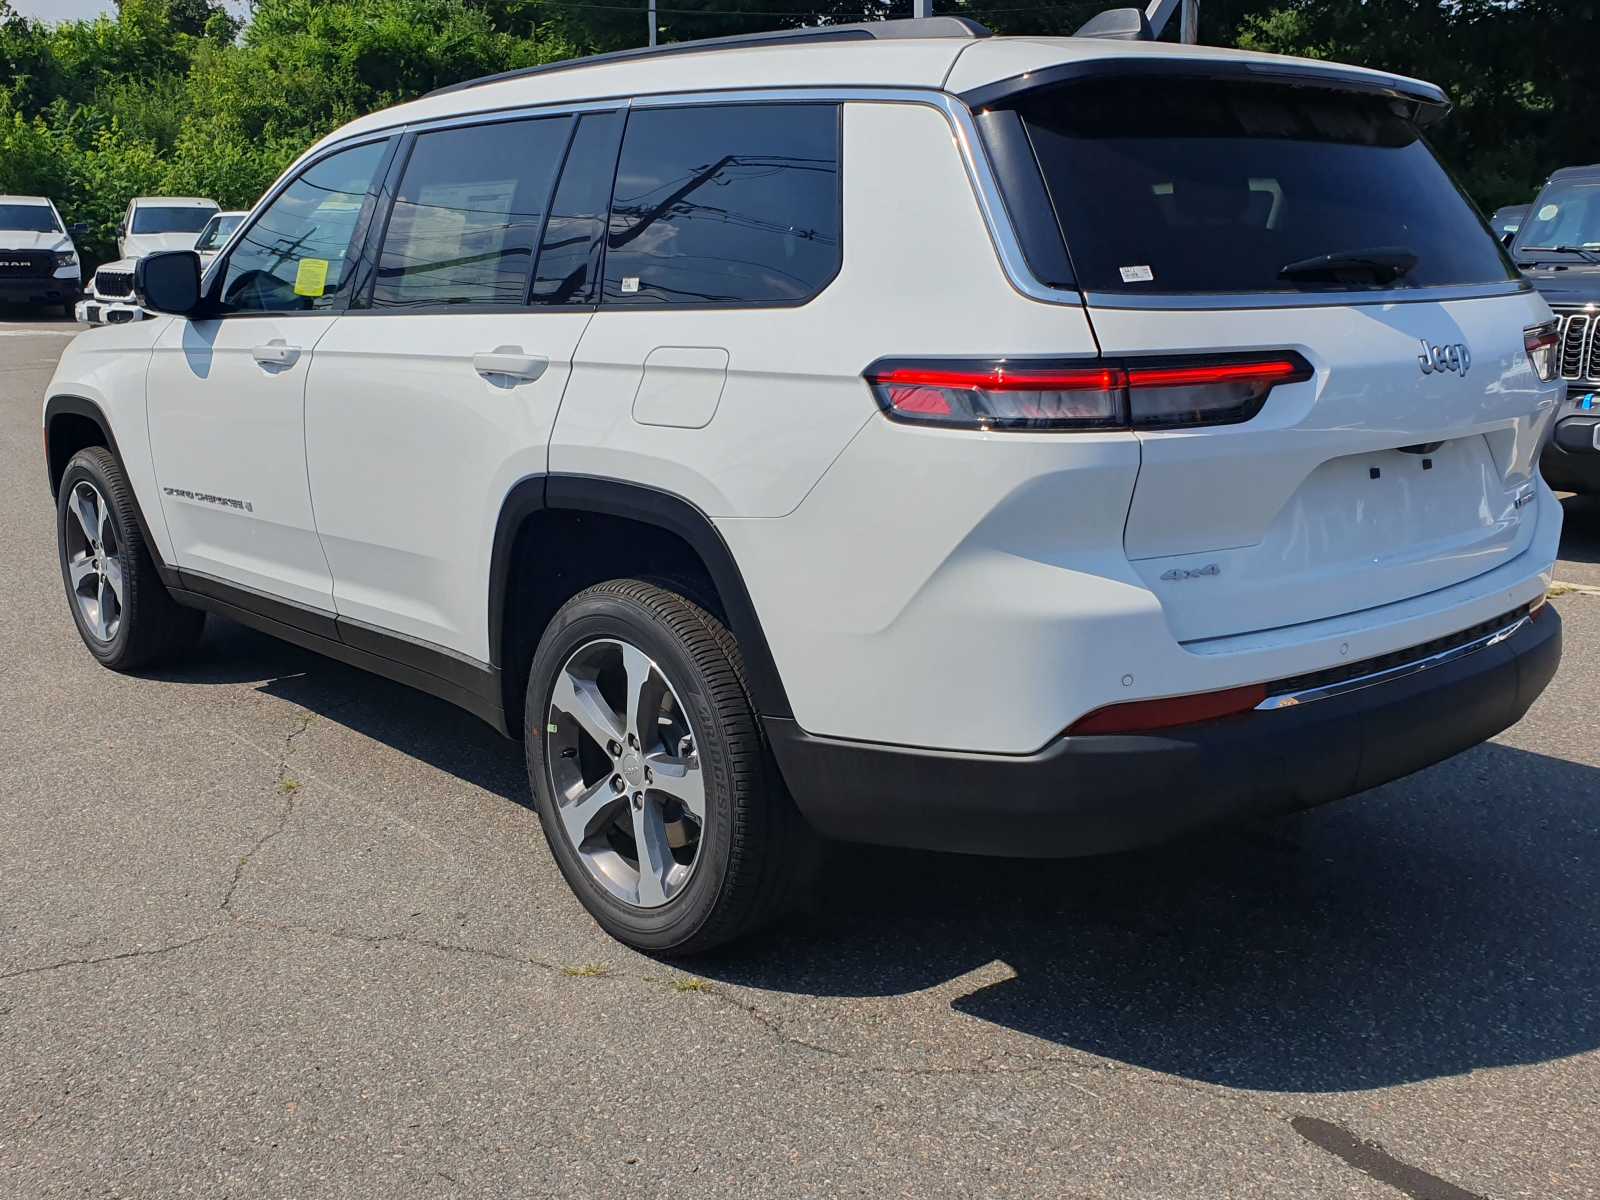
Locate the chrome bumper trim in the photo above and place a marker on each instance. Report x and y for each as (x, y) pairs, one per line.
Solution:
(1389, 674)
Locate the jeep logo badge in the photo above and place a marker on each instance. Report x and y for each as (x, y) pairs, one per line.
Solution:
(1454, 357)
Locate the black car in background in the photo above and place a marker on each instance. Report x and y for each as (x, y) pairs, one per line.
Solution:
(1508, 219)
(1557, 247)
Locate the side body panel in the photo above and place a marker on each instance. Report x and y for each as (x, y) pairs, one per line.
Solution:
(106, 367)
(411, 452)
(792, 396)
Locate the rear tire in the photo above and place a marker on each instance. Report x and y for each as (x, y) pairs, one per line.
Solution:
(655, 873)
(124, 613)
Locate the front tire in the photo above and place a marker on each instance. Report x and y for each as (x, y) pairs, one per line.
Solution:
(124, 613)
(655, 790)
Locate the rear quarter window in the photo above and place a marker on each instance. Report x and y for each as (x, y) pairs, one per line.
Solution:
(1197, 186)
(725, 205)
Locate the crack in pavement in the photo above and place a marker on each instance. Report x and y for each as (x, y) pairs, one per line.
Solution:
(106, 958)
(280, 781)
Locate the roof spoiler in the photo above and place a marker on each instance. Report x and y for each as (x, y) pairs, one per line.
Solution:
(1120, 24)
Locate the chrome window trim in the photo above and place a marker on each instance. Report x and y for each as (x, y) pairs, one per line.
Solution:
(1389, 674)
(980, 175)
(975, 161)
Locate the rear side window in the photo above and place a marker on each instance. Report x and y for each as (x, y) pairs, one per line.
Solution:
(468, 214)
(1207, 186)
(725, 205)
(568, 269)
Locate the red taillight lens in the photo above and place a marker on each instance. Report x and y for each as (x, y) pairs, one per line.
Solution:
(1207, 393)
(1140, 394)
(1141, 716)
(1542, 342)
(999, 395)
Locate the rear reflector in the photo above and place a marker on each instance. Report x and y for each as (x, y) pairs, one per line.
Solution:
(1002, 394)
(1141, 716)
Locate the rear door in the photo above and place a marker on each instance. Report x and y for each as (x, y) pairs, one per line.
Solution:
(1207, 218)
(436, 393)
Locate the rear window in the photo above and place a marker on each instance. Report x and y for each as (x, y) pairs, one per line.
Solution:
(163, 219)
(1178, 186)
(29, 218)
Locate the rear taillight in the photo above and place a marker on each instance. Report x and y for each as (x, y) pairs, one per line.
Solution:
(1541, 343)
(1026, 394)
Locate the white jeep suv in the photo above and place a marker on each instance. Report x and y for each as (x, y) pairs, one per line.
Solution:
(1013, 446)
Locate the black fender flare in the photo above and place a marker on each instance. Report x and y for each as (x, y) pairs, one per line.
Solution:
(80, 406)
(648, 506)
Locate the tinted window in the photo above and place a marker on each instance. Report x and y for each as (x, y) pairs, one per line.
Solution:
(30, 218)
(567, 271)
(734, 204)
(216, 233)
(1194, 186)
(175, 219)
(297, 256)
(1567, 213)
(468, 214)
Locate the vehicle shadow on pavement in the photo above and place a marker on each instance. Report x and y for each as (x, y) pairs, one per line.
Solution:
(430, 730)
(1441, 924)
(1580, 531)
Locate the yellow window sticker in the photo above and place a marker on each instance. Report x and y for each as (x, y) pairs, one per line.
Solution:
(311, 277)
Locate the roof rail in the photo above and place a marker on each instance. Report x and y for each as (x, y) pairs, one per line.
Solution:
(911, 27)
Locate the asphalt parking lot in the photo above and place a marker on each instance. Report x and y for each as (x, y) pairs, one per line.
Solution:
(270, 927)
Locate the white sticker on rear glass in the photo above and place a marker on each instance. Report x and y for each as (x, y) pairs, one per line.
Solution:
(1137, 274)
(630, 283)
(1548, 212)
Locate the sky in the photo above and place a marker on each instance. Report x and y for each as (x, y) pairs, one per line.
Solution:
(67, 10)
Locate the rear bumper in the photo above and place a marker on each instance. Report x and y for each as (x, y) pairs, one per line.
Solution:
(1091, 795)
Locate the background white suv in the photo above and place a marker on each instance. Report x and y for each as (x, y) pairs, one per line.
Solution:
(38, 262)
(1034, 446)
(155, 223)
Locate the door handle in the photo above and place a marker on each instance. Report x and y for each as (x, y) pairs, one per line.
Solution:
(276, 353)
(510, 360)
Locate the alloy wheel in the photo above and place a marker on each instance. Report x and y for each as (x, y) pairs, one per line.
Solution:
(625, 773)
(94, 561)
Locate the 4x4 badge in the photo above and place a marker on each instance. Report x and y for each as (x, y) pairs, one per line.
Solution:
(1192, 573)
(1452, 357)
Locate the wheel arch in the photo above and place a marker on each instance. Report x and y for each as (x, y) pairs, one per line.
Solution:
(546, 501)
(73, 423)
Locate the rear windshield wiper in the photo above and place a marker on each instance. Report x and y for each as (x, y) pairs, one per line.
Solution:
(1586, 255)
(1386, 264)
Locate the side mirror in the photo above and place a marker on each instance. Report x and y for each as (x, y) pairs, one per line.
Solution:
(169, 282)
(122, 229)
(78, 229)
(1508, 237)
